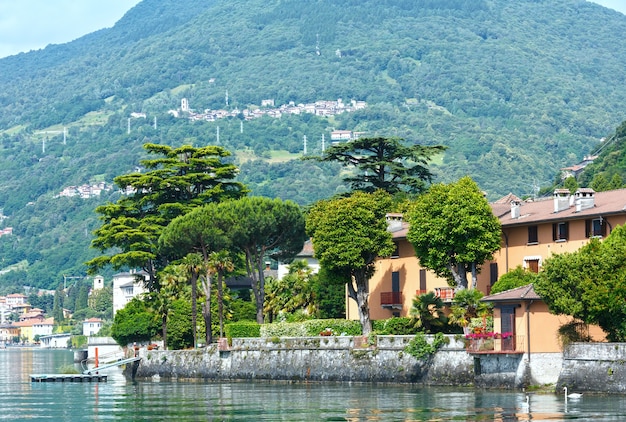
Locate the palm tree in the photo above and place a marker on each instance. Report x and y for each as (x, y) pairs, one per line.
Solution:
(467, 305)
(193, 264)
(427, 309)
(161, 300)
(220, 263)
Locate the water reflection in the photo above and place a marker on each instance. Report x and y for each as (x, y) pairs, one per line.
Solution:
(119, 399)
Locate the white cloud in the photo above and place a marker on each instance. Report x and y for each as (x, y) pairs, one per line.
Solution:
(33, 24)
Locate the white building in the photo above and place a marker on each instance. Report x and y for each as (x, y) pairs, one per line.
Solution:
(126, 286)
(305, 254)
(91, 326)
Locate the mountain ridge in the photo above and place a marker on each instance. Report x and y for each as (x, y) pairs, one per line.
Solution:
(516, 90)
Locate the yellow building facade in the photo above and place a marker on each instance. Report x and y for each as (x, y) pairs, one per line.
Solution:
(531, 233)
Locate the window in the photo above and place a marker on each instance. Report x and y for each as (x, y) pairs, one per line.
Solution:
(493, 273)
(560, 231)
(532, 264)
(396, 251)
(595, 227)
(532, 234)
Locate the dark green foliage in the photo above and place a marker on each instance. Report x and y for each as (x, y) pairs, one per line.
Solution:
(517, 277)
(242, 329)
(502, 98)
(330, 294)
(243, 310)
(179, 329)
(399, 326)
(428, 313)
(390, 164)
(420, 347)
(134, 323)
(589, 284)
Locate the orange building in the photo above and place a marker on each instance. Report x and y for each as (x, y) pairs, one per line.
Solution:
(531, 232)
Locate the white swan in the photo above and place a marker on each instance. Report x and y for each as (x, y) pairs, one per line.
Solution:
(572, 395)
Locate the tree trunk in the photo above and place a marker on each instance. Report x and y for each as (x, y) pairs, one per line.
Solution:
(459, 275)
(207, 310)
(194, 308)
(474, 276)
(220, 302)
(164, 332)
(362, 295)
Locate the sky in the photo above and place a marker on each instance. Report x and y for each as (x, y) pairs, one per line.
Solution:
(27, 25)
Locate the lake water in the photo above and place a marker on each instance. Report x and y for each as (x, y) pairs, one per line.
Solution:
(119, 399)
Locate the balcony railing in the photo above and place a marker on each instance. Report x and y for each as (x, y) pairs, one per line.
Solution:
(445, 293)
(391, 299)
(514, 344)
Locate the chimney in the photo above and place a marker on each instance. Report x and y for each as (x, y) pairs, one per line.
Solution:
(585, 199)
(561, 199)
(515, 209)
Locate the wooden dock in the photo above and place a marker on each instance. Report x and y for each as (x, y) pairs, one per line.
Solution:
(68, 378)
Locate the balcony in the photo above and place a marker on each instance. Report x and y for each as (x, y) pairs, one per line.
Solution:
(445, 293)
(495, 345)
(392, 300)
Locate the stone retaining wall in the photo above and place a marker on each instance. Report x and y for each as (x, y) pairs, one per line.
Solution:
(597, 367)
(312, 358)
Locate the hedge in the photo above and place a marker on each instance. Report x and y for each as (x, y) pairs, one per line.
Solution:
(242, 329)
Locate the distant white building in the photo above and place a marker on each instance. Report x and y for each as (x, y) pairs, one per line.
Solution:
(126, 286)
(306, 254)
(91, 326)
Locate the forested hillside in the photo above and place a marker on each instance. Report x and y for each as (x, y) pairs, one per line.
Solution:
(515, 89)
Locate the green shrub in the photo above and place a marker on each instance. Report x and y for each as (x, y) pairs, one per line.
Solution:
(242, 329)
(284, 329)
(420, 347)
(311, 328)
(398, 326)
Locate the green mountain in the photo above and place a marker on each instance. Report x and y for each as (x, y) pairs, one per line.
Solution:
(515, 89)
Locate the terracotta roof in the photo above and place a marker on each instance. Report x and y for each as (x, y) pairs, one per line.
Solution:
(307, 249)
(605, 203)
(507, 199)
(526, 292)
(92, 320)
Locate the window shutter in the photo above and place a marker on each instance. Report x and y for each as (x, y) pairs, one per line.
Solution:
(555, 231)
(588, 228)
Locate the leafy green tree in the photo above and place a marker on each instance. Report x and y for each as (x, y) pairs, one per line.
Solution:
(291, 293)
(221, 264)
(329, 290)
(183, 178)
(262, 228)
(348, 235)
(616, 182)
(134, 323)
(57, 307)
(570, 184)
(453, 231)
(180, 332)
(517, 277)
(172, 279)
(102, 301)
(600, 183)
(427, 309)
(589, 284)
(384, 163)
(198, 233)
(82, 300)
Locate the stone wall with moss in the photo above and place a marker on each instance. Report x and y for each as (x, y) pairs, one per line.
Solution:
(321, 358)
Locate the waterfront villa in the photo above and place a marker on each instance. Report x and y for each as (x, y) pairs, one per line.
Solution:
(91, 326)
(126, 286)
(531, 232)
